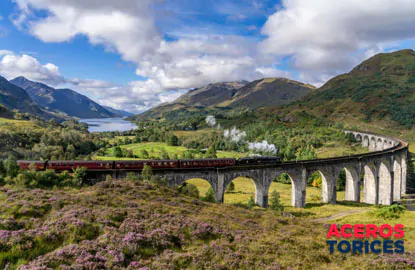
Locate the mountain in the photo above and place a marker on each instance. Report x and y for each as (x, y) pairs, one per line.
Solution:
(62, 101)
(118, 112)
(380, 89)
(267, 92)
(13, 97)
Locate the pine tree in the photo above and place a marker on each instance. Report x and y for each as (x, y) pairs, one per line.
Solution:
(275, 202)
(230, 188)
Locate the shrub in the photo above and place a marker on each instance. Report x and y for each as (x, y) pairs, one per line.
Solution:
(209, 196)
(147, 172)
(275, 202)
(230, 188)
(389, 212)
(251, 203)
(79, 175)
(189, 190)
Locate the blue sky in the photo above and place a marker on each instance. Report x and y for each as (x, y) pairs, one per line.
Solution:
(136, 54)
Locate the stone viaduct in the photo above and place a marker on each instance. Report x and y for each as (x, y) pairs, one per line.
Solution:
(382, 172)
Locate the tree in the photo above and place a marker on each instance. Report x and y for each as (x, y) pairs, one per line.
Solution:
(251, 202)
(147, 172)
(209, 196)
(144, 153)
(70, 152)
(79, 174)
(12, 168)
(289, 152)
(2, 169)
(118, 152)
(173, 140)
(211, 152)
(230, 188)
(164, 154)
(275, 202)
(189, 190)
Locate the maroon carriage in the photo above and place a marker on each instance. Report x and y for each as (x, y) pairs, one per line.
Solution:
(32, 164)
(207, 163)
(68, 165)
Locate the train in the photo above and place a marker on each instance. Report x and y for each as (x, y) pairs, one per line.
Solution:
(102, 165)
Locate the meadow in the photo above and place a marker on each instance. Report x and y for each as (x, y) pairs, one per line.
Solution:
(315, 209)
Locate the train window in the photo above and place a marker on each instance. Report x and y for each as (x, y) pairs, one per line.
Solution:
(71, 164)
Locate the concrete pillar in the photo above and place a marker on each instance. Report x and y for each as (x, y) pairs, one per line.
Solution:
(298, 188)
(352, 185)
(365, 141)
(397, 179)
(385, 184)
(370, 183)
(261, 196)
(220, 190)
(329, 189)
(404, 169)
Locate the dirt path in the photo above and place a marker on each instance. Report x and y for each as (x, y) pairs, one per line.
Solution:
(340, 215)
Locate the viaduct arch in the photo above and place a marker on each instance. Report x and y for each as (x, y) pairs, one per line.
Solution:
(384, 171)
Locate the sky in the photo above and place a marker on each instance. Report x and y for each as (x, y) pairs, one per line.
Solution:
(136, 54)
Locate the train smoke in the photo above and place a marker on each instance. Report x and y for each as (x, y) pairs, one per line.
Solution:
(210, 120)
(263, 147)
(234, 134)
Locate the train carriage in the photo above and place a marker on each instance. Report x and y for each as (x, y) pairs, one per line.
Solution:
(207, 163)
(68, 165)
(29, 164)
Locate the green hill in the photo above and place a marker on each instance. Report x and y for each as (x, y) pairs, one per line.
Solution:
(380, 89)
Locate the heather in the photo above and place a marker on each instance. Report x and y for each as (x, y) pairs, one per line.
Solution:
(138, 225)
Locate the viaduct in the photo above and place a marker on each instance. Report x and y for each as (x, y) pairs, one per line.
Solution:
(382, 172)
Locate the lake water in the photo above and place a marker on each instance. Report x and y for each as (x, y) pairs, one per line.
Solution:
(108, 124)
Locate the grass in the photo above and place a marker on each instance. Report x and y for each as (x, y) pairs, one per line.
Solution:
(17, 125)
(155, 148)
(245, 188)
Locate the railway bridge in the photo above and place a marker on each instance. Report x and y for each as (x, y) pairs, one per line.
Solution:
(382, 172)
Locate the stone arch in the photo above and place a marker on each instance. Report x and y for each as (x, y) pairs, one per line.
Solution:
(201, 186)
(177, 179)
(358, 137)
(372, 144)
(352, 190)
(379, 144)
(261, 196)
(385, 182)
(369, 184)
(365, 141)
(397, 178)
(328, 183)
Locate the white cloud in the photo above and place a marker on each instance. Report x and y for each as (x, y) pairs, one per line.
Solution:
(326, 37)
(12, 65)
(127, 27)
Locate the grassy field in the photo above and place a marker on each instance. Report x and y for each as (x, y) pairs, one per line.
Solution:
(244, 189)
(155, 148)
(17, 125)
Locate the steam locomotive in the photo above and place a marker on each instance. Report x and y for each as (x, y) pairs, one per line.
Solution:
(100, 165)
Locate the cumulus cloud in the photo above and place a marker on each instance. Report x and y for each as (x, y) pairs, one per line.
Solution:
(325, 37)
(12, 65)
(128, 28)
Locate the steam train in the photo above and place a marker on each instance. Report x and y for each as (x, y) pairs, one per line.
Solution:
(100, 165)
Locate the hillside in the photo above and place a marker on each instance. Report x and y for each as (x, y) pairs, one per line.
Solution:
(137, 225)
(224, 96)
(380, 89)
(13, 97)
(64, 101)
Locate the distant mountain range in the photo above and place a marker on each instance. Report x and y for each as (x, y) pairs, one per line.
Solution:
(13, 97)
(267, 92)
(62, 101)
(118, 112)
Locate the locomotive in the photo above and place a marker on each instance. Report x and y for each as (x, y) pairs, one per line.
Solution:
(102, 165)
